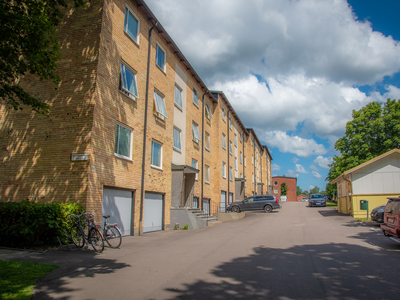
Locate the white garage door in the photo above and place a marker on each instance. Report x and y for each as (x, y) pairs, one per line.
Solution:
(118, 204)
(153, 212)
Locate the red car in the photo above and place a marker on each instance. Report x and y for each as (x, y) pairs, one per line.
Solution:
(391, 225)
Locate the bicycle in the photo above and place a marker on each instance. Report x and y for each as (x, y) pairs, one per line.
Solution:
(93, 235)
(111, 233)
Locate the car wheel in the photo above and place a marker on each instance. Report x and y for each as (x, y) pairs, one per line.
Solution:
(268, 208)
(235, 209)
(388, 235)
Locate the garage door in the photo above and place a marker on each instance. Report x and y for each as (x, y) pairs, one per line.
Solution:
(118, 204)
(153, 212)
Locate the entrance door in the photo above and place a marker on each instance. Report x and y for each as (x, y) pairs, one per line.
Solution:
(223, 201)
(118, 204)
(153, 212)
(206, 206)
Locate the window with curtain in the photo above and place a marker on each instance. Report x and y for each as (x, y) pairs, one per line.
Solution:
(159, 104)
(156, 154)
(160, 57)
(131, 25)
(123, 138)
(178, 96)
(177, 139)
(128, 81)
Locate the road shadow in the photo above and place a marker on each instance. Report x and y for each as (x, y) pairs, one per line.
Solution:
(329, 271)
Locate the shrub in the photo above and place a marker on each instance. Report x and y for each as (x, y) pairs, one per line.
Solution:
(27, 224)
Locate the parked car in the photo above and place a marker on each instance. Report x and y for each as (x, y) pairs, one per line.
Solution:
(317, 200)
(391, 221)
(259, 202)
(327, 198)
(377, 213)
(304, 199)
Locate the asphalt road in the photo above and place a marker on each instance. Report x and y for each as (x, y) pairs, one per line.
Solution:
(294, 253)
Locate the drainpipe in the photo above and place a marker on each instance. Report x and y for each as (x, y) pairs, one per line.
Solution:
(254, 163)
(244, 168)
(202, 151)
(145, 133)
(229, 153)
(261, 172)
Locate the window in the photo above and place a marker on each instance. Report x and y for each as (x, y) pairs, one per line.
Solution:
(206, 174)
(244, 157)
(194, 165)
(223, 170)
(195, 97)
(230, 122)
(240, 135)
(223, 113)
(123, 139)
(195, 132)
(230, 174)
(160, 57)
(223, 141)
(160, 105)
(241, 175)
(156, 154)
(178, 96)
(235, 140)
(208, 111)
(252, 159)
(230, 147)
(207, 141)
(275, 182)
(252, 177)
(240, 157)
(236, 164)
(177, 139)
(131, 24)
(127, 83)
(275, 191)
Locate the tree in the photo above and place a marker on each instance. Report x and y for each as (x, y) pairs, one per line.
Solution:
(314, 190)
(28, 45)
(331, 190)
(299, 191)
(284, 189)
(374, 130)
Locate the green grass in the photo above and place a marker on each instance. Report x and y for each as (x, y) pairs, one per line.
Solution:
(331, 204)
(18, 278)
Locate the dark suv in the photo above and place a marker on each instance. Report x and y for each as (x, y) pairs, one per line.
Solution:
(260, 202)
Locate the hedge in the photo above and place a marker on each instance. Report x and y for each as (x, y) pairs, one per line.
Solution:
(28, 224)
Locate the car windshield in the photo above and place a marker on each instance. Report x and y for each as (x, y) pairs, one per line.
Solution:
(317, 197)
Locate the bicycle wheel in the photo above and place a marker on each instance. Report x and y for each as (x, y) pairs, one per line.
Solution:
(76, 236)
(96, 240)
(112, 235)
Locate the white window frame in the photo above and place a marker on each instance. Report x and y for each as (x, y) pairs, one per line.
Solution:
(236, 163)
(161, 154)
(195, 132)
(230, 147)
(195, 165)
(195, 96)
(230, 174)
(207, 141)
(207, 111)
(240, 156)
(158, 47)
(230, 122)
(178, 92)
(244, 158)
(223, 170)
(224, 141)
(129, 10)
(275, 191)
(176, 129)
(123, 83)
(116, 138)
(236, 141)
(206, 174)
(160, 105)
(223, 113)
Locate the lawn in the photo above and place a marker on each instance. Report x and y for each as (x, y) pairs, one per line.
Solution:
(331, 204)
(18, 278)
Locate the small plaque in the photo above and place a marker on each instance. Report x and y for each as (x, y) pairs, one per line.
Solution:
(79, 157)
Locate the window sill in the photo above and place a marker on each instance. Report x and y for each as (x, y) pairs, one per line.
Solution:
(132, 39)
(195, 104)
(206, 182)
(177, 150)
(161, 69)
(208, 149)
(123, 157)
(133, 97)
(178, 107)
(157, 168)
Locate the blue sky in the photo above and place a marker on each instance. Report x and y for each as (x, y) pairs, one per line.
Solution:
(293, 70)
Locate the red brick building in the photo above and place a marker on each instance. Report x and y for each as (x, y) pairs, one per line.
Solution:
(291, 183)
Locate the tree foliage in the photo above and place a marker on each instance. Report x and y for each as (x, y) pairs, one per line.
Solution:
(299, 191)
(314, 190)
(284, 189)
(28, 44)
(374, 130)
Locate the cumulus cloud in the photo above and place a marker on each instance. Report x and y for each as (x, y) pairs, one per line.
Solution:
(294, 144)
(323, 162)
(314, 168)
(295, 160)
(300, 169)
(316, 175)
(291, 173)
(275, 167)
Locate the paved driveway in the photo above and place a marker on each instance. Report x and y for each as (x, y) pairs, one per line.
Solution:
(294, 253)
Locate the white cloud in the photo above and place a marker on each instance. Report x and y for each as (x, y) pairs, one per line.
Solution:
(275, 167)
(311, 187)
(316, 175)
(323, 161)
(295, 160)
(300, 169)
(291, 173)
(293, 144)
(314, 168)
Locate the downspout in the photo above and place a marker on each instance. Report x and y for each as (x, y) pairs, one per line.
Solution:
(145, 133)
(229, 153)
(202, 151)
(261, 172)
(244, 168)
(254, 163)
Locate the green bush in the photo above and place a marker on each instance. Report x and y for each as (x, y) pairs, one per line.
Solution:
(28, 224)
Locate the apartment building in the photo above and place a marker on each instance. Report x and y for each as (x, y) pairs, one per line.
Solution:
(291, 183)
(133, 131)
